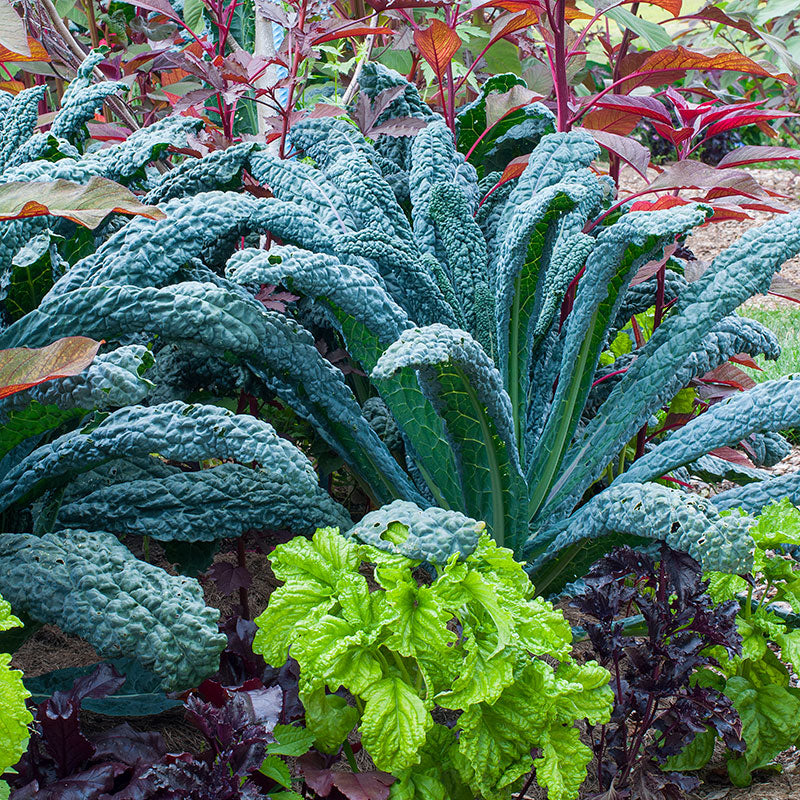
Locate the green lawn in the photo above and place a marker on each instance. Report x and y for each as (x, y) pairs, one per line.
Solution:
(785, 324)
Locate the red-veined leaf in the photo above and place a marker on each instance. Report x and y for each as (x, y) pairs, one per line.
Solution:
(755, 154)
(107, 132)
(351, 30)
(713, 14)
(388, 5)
(513, 169)
(437, 44)
(511, 22)
(160, 7)
(674, 135)
(745, 360)
(87, 204)
(732, 456)
(783, 287)
(651, 267)
(37, 52)
(500, 104)
(12, 87)
(640, 106)
(730, 375)
(673, 6)
(697, 175)
(668, 201)
(606, 119)
(629, 150)
(679, 58)
(22, 367)
(402, 126)
(746, 118)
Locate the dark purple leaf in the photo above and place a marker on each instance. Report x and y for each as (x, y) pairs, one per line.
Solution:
(90, 784)
(129, 746)
(230, 577)
(363, 785)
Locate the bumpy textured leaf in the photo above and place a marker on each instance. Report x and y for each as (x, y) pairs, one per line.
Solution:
(206, 505)
(742, 270)
(173, 430)
(300, 183)
(219, 170)
(369, 320)
(278, 350)
(467, 392)
(146, 253)
(465, 249)
(433, 160)
(19, 122)
(394, 724)
(90, 585)
(14, 715)
(431, 534)
(772, 405)
(687, 523)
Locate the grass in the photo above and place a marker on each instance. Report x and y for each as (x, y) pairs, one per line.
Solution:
(785, 324)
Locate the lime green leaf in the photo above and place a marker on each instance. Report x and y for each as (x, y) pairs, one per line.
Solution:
(753, 642)
(562, 766)
(544, 631)
(328, 717)
(789, 643)
(290, 740)
(484, 675)
(584, 692)
(276, 770)
(289, 606)
(770, 723)
(332, 649)
(394, 724)
(778, 523)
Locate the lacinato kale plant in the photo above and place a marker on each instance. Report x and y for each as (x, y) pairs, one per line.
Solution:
(477, 315)
(435, 633)
(659, 709)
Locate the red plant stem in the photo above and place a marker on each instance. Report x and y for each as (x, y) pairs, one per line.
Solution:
(556, 17)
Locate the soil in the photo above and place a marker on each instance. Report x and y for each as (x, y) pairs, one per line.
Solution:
(49, 648)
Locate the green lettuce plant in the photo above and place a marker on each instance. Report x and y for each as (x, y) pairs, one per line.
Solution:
(445, 657)
(758, 681)
(477, 316)
(14, 714)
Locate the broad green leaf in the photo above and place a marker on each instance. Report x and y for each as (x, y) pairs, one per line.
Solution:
(277, 770)
(394, 724)
(655, 35)
(695, 755)
(583, 692)
(193, 14)
(770, 723)
(87, 204)
(290, 740)
(21, 367)
(289, 605)
(328, 717)
(561, 769)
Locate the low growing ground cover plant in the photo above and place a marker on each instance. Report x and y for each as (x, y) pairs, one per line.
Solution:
(758, 680)
(435, 632)
(658, 707)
